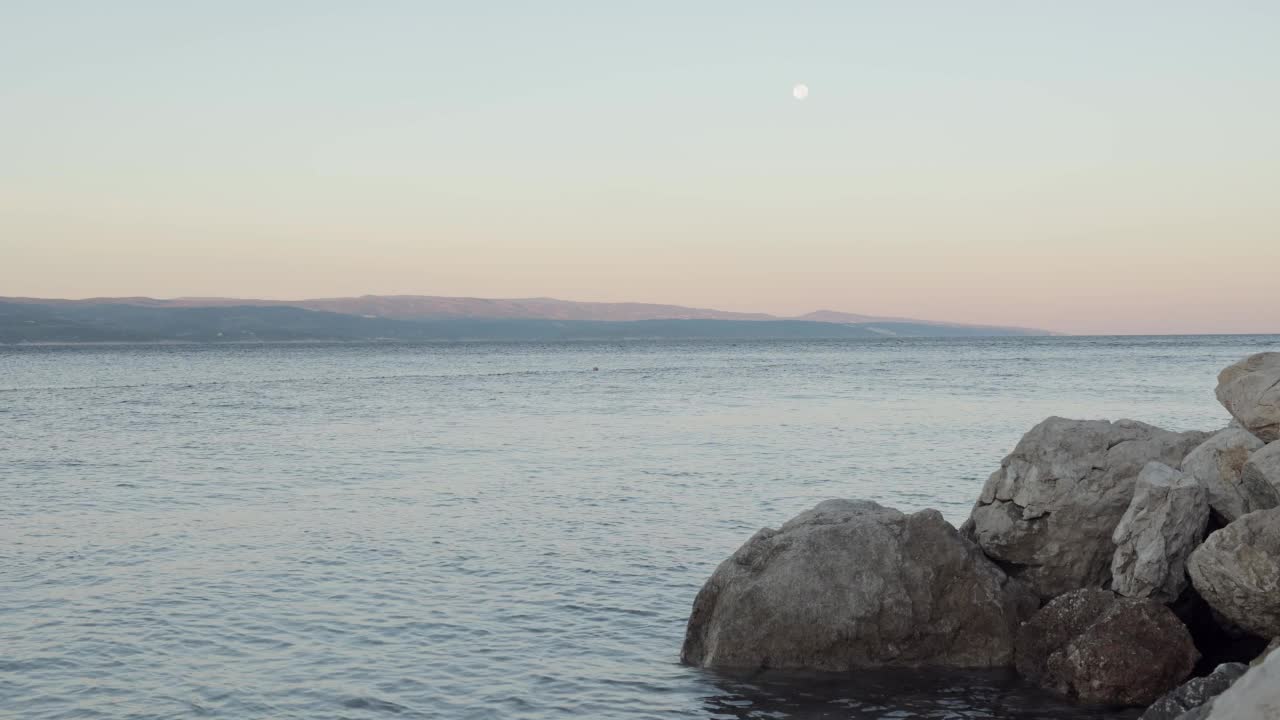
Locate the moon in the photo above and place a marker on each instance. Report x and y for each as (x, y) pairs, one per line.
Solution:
(800, 91)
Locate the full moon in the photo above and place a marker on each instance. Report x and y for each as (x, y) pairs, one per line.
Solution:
(800, 91)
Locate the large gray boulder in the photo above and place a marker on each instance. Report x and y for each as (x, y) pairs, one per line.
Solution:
(1165, 521)
(1195, 692)
(1047, 515)
(1264, 466)
(852, 584)
(1237, 571)
(1218, 464)
(1101, 648)
(1250, 391)
(1255, 696)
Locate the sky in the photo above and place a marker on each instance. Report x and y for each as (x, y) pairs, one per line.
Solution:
(1085, 167)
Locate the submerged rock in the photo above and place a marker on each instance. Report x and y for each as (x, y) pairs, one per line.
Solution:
(1250, 391)
(1237, 571)
(1165, 521)
(1101, 648)
(1047, 515)
(1195, 692)
(1218, 464)
(853, 584)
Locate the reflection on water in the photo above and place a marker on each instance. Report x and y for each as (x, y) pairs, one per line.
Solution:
(885, 694)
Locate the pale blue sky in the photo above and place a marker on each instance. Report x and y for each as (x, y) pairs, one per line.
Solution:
(1085, 166)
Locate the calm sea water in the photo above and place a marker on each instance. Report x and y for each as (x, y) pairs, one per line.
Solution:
(489, 530)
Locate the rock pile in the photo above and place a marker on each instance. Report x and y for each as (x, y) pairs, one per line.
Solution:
(1077, 548)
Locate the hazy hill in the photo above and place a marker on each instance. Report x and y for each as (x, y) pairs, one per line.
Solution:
(834, 316)
(424, 307)
(417, 307)
(888, 323)
(122, 322)
(86, 321)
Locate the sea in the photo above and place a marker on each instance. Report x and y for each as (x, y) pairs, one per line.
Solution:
(486, 530)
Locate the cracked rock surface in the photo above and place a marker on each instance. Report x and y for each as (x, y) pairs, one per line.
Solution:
(1165, 521)
(1048, 514)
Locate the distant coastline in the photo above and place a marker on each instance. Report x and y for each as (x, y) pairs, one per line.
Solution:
(30, 321)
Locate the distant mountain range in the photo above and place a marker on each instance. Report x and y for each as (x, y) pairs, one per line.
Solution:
(427, 318)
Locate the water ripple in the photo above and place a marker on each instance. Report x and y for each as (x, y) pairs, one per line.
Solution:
(487, 530)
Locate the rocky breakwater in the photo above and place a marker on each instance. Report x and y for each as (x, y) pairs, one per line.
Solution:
(1112, 562)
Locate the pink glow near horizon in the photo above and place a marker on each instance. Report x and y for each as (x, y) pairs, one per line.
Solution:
(1071, 167)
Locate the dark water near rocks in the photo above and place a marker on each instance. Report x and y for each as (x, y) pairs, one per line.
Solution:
(489, 530)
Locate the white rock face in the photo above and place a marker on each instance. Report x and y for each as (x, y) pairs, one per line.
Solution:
(1237, 571)
(1264, 466)
(1256, 696)
(1048, 514)
(1218, 464)
(1165, 521)
(1250, 391)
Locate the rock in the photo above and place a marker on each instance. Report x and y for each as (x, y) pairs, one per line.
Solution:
(1218, 639)
(1101, 648)
(1053, 627)
(853, 584)
(1047, 515)
(1200, 713)
(1264, 466)
(1165, 521)
(1218, 464)
(1271, 647)
(1250, 391)
(1237, 571)
(1195, 692)
(1255, 696)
